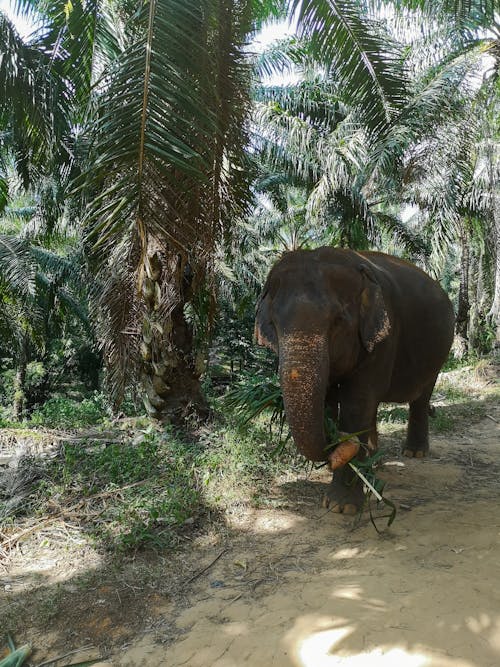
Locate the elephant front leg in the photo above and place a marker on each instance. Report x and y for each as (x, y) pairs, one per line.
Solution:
(345, 492)
(332, 403)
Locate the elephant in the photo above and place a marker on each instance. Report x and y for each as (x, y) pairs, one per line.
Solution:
(352, 330)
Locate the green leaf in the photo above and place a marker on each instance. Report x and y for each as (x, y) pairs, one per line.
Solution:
(367, 62)
(17, 657)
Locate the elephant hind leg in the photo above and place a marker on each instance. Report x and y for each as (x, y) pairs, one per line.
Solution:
(417, 439)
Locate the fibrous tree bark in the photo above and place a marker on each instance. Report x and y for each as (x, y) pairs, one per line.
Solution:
(461, 344)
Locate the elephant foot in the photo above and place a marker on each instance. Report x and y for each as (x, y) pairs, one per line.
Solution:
(342, 497)
(418, 452)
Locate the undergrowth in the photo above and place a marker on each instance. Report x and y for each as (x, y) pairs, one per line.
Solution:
(127, 495)
(69, 413)
(65, 413)
(238, 462)
(144, 492)
(159, 484)
(462, 392)
(62, 413)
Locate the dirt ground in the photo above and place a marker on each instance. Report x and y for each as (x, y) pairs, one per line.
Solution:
(292, 585)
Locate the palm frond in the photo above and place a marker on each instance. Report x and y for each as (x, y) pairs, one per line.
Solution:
(287, 140)
(16, 264)
(144, 136)
(62, 300)
(414, 244)
(265, 11)
(315, 100)
(468, 14)
(435, 101)
(282, 56)
(64, 269)
(32, 97)
(367, 62)
(117, 314)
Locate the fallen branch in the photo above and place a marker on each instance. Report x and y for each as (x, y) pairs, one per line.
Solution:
(198, 574)
(65, 655)
(70, 512)
(27, 531)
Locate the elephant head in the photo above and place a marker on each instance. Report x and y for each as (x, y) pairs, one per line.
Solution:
(320, 317)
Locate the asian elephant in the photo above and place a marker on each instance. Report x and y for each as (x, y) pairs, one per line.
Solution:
(352, 330)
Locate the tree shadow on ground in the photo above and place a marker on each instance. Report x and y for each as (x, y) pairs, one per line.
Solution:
(351, 583)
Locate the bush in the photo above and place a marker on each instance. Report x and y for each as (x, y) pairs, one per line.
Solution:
(140, 491)
(67, 413)
(255, 393)
(236, 462)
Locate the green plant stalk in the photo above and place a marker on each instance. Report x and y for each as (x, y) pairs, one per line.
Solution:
(17, 657)
(380, 498)
(365, 481)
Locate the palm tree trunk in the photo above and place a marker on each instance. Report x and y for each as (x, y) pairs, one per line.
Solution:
(477, 315)
(19, 402)
(462, 322)
(494, 313)
(169, 375)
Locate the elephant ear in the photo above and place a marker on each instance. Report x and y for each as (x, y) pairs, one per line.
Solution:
(265, 333)
(374, 324)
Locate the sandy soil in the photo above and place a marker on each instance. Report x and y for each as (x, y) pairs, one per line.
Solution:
(292, 585)
(300, 588)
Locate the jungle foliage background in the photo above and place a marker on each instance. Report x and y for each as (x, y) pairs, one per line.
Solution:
(155, 161)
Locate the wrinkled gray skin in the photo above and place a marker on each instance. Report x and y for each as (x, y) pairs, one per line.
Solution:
(352, 330)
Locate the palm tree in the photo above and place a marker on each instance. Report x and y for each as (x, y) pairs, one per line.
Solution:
(164, 163)
(426, 154)
(162, 107)
(41, 294)
(308, 131)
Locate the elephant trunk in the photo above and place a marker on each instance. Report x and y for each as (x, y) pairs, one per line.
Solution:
(303, 376)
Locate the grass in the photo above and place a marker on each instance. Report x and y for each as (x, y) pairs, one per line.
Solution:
(146, 491)
(140, 493)
(133, 494)
(460, 396)
(237, 464)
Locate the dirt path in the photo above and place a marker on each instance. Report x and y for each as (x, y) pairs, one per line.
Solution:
(291, 585)
(295, 587)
